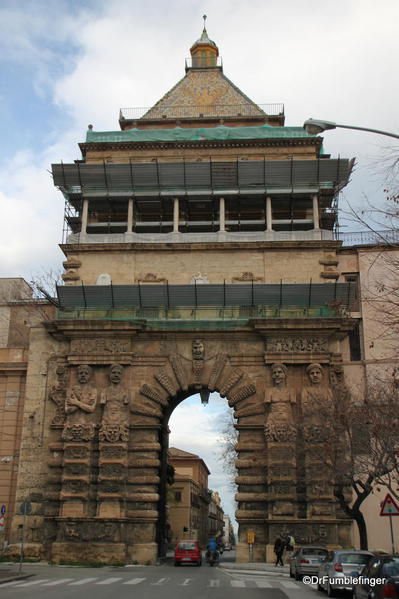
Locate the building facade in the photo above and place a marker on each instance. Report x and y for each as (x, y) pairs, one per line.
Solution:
(189, 498)
(200, 256)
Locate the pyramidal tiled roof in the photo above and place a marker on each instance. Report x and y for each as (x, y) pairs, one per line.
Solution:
(202, 92)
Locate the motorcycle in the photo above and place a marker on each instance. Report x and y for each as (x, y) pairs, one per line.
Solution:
(212, 557)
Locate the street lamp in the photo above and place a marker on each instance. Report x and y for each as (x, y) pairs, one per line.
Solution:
(315, 126)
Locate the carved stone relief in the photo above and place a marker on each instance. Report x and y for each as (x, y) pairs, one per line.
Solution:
(57, 394)
(166, 382)
(100, 345)
(80, 403)
(230, 382)
(151, 278)
(177, 365)
(279, 426)
(217, 369)
(115, 399)
(297, 344)
(198, 351)
(246, 277)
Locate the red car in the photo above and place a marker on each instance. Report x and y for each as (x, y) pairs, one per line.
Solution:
(188, 552)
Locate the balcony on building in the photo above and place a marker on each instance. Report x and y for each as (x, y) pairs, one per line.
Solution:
(201, 201)
(201, 115)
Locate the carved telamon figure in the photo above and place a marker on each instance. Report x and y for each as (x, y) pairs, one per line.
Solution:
(316, 404)
(81, 400)
(279, 401)
(115, 399)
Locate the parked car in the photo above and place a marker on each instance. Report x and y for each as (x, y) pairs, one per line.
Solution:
(379, 579)
(188, 552)
(306, 560)
(338, 569)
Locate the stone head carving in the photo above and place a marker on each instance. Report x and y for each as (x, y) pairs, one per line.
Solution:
(84, 373)
(279, 374)
(115, 373)
(198, 349)
(315, 373)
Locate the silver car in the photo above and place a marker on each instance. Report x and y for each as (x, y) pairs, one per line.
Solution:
(306, 561)
(336, 571)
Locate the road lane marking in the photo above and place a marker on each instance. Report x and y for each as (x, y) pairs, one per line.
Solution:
(185, 583)
(109, 581)
(54, 582)
(263, 584)
(12, 583)
(238, 583)
(160, 582)
(214, 582)
(82, 581)
(134, 581)
(289, 585)
(30, 584)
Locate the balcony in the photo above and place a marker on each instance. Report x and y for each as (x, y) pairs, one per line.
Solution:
(201, 111)
(202, 115)
(203, 306)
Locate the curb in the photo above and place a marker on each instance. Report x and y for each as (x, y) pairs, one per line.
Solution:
(18, 577)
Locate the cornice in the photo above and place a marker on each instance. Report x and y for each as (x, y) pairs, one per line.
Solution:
(255, 143)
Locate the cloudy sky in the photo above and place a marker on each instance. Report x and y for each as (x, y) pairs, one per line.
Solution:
(68, 63)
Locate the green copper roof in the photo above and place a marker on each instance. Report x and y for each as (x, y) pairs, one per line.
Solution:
(199, 134)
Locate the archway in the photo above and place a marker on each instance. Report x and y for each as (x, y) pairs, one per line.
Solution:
(193, 476)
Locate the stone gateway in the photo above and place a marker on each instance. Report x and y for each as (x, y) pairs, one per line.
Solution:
(197, 184)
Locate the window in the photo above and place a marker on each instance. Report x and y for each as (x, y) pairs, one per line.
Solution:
(354, 344)
(353, 277)
(178, 496)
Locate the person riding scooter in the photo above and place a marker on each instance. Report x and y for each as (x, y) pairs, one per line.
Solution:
(212, 553)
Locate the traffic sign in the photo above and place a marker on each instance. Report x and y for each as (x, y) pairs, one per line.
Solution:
(2, 522)
(250, 537)
(3, 510)
(389, 507)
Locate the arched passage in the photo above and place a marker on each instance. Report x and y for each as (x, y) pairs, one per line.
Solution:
(192, 427)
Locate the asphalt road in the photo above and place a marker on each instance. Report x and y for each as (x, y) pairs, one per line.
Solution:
(153, 582)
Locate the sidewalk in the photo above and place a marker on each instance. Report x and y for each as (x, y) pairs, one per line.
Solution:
(9, 572)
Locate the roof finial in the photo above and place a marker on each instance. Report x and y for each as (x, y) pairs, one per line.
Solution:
(204, 17)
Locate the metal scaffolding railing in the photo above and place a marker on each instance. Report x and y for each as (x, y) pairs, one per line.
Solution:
(387, 237)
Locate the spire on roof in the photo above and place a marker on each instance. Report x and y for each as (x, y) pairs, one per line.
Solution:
(204, 51)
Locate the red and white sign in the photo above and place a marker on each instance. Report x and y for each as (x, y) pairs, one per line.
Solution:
(389, 507)
(2, 522)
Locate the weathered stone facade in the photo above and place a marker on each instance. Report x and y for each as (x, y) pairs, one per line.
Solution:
(94, 478)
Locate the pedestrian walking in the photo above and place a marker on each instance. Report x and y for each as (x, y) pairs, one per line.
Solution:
(279, 546)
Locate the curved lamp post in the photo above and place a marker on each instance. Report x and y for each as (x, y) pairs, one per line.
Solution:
(315, 126)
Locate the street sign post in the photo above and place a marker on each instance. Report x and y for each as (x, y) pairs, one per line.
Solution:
(390, 508)
(250, 541)
(25, 509)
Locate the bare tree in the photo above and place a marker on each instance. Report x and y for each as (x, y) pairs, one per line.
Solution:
(227, 442)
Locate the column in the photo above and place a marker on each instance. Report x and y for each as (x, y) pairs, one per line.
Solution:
(85, 211)
(130, 215)
(222, 214)
(176, 215)
(316, 224)
(269, 226)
